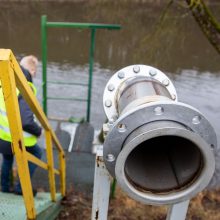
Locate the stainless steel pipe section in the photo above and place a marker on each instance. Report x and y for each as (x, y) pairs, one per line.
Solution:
(159, 150)
(139, 90)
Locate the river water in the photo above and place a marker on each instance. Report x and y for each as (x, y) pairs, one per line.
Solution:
(174, 44)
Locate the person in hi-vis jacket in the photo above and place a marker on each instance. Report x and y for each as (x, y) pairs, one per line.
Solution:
(31, 130)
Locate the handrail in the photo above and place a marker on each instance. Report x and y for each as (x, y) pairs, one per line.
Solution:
(83, 25)
(11, 76)
(68, 83)
(46, 24)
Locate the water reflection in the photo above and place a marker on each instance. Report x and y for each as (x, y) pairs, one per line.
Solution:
(176, 43)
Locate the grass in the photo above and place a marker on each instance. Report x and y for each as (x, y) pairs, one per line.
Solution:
(77, 206)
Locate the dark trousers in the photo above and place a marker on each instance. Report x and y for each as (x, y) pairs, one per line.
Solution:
(7, 168)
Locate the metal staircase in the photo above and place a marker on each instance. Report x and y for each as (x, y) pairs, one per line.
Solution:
(28, 207)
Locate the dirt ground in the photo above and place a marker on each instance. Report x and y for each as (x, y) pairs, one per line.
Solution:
(205, 206)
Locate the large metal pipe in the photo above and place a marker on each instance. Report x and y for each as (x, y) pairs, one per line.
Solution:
(159, 150)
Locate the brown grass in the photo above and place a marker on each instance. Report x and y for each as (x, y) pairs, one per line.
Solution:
(205, 206)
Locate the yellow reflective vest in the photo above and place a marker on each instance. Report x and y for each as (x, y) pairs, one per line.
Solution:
(5, 134)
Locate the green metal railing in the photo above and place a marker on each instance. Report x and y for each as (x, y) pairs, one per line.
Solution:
(44, 25)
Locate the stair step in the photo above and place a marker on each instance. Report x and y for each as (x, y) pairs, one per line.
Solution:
(12, 206)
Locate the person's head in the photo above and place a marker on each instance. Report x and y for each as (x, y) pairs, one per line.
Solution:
(30, 63)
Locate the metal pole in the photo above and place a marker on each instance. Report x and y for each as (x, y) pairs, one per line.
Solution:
(113, 188)
(178, 211)
(91, 61)
(50, 161)
(83, 25)
(101, 189)
(44, 61)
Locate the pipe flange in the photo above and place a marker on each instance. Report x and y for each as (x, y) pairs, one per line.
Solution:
(174, 196)
(111, 89)
(150, 112)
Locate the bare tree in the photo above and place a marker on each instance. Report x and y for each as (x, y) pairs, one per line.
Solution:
(207, 22)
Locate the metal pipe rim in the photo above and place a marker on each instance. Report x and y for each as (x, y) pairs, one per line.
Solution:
(174, 197)
(137, 117)
(111, 89)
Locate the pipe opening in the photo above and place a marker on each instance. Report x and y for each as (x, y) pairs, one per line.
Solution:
(163, 164)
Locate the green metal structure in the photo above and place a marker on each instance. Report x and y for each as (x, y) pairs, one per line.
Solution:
(93, 27)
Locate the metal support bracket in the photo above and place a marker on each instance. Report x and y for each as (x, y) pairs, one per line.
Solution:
(178, 211)
(101, 189)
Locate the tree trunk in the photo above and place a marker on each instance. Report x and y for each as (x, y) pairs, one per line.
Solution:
(206, 21)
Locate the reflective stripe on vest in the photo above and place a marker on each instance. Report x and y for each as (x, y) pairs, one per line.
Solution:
(29, 139)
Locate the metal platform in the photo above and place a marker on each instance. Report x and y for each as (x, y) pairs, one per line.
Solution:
(12, 206)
